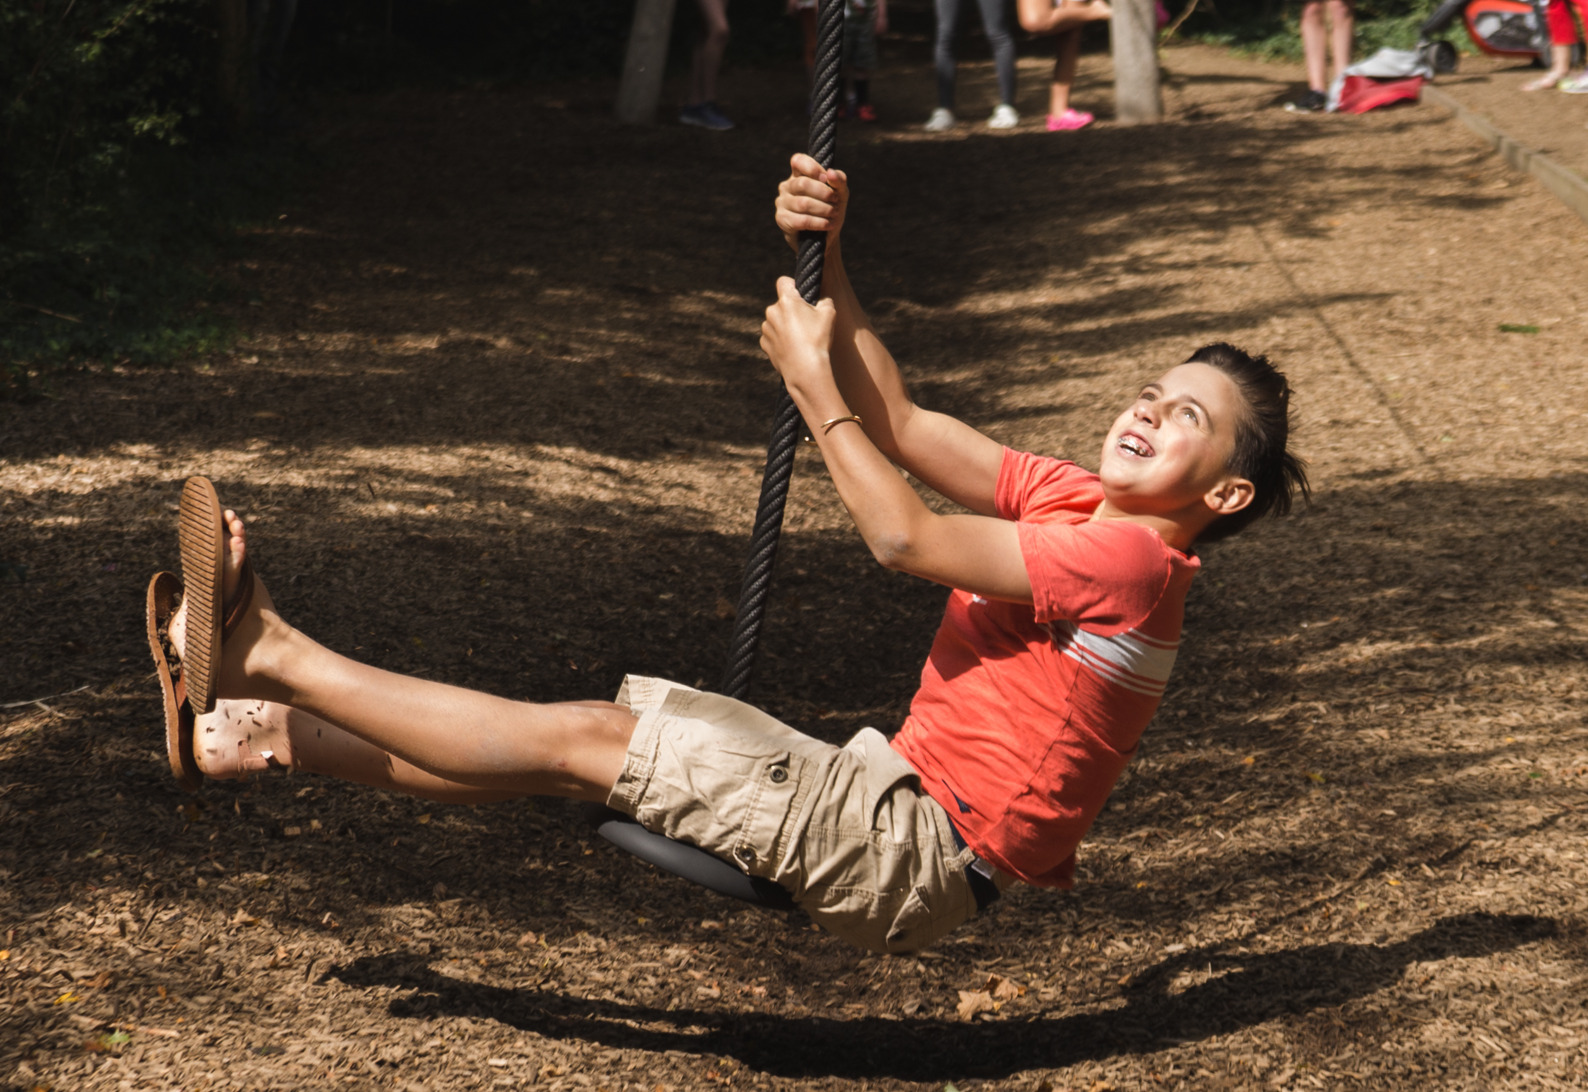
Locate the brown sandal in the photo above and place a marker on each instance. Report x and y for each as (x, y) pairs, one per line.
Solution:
(187, 683)
(201, 530)
(164, 591)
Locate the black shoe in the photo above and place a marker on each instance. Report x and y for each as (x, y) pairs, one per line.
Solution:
(1313, 102)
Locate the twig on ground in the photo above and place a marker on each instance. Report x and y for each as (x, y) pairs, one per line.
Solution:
(48, 697)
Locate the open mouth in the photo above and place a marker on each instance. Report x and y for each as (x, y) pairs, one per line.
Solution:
(1131, 444)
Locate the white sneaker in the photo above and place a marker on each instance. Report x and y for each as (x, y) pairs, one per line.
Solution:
(1005, 117)
(940, 121)
(1577, 85)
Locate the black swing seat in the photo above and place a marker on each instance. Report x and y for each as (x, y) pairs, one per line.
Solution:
(686, 861)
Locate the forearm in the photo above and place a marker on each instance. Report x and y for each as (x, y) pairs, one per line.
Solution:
(970, 552)
(975, 553)
(946, 454)
(867, 375)
(885, 509)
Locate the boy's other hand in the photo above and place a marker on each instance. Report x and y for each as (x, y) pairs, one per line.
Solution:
(797, 337)
(811, 198)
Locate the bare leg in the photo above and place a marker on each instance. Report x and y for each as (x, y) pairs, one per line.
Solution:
(1559, 66)
(1064, 65)
(708, 54)
(460, 736)
(1045, 17)
(1342, 21)
(241, 737)
(1314, 45)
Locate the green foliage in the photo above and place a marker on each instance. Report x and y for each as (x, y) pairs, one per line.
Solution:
(1271, 30)
(99, 108)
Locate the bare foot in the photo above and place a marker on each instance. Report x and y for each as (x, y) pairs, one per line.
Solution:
(1546, 82)
(242, 737)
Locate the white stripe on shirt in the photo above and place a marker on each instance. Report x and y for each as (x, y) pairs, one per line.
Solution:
(1131, 660)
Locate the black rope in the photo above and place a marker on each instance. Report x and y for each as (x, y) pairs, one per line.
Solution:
(786, 424)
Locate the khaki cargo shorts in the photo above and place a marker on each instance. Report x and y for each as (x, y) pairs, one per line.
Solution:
(846, 830)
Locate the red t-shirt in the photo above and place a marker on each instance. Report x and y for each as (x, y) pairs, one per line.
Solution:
(1027, 715)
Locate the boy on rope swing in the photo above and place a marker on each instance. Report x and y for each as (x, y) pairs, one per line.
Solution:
(1063, 622)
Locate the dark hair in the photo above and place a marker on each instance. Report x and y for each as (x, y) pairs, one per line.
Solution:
(1260, 438)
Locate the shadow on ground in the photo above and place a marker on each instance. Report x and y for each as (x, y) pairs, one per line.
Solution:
(1248, 990)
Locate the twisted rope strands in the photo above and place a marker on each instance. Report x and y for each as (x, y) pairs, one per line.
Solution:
(786, 424)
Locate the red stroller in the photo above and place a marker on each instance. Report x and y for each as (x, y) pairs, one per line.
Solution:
(1500, 28)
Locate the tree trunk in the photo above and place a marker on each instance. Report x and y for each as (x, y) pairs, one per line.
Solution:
(1134, 30)
(645, 62)
(234, 67)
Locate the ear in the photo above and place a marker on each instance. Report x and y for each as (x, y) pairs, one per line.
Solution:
(1229, 496)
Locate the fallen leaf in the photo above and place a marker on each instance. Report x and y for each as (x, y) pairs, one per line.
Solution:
(1007, 990)
(67, 998)
(422, 819)
(973, 1002)
(528, 940)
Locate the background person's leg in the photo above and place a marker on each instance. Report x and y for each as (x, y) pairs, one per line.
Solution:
(708, 53)
(996, 26)
(1314, 45)
(1064, 65)
(943, 51)
(1045, 17)
(1342, 24)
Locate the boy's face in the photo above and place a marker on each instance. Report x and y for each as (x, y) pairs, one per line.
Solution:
(1172, 446)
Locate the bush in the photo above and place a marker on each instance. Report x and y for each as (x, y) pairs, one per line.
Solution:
(1270, 30)
(100, 104)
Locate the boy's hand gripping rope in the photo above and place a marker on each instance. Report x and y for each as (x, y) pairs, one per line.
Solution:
(786, 428)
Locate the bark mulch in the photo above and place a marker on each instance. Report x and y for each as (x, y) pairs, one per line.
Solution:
(498, 415)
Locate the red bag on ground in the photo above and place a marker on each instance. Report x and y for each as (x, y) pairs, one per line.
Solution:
(1359, 94)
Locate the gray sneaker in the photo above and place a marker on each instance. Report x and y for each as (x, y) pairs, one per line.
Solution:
(706, 116)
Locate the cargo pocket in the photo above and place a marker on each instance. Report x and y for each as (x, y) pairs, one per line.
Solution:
(885, 770)
(758, 840)
(912, 925)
